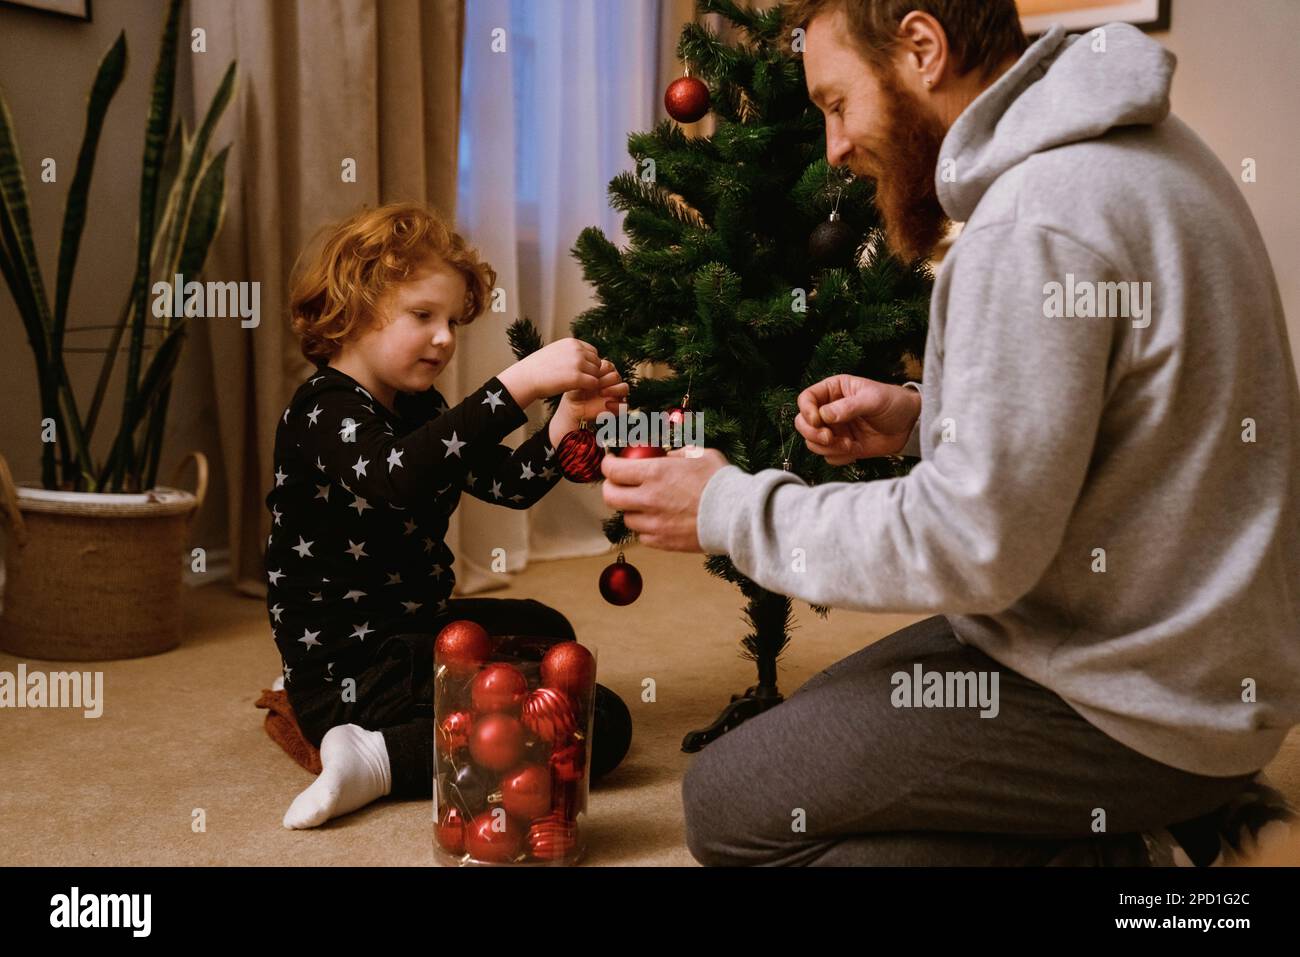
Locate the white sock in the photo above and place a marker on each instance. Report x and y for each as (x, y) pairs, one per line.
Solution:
(354, 771)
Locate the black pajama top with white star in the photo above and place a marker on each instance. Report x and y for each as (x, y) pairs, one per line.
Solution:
(360, 507)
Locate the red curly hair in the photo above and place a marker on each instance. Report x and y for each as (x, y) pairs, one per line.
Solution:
(337, 292)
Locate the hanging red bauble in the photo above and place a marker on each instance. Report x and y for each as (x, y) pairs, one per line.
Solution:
(494, 837)
(548, 713)
(552, 838)
(620, 583)
(463, 646)
(641, 452)
(526, 792)
(450, 830)
(686, 99)
(569, 763)
(579, 456)
(498, 687)
(569, 667)
(453, 731)
(496, 741)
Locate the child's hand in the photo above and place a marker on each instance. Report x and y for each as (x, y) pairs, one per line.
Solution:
(589, 403)
(568, 364)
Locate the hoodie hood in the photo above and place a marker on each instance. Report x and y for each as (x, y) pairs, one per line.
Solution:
(1060, 91)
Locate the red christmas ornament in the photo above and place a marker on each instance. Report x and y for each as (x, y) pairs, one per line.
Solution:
(686, 99)
(450, 830)
(453, 732)
(569, 667)
(548, 713)
(620, 583)
(642, 452)
(496, 741)
(552, 838)
(567, 799)
(494, 837)
(579, 456)
(569, 763)
(498, 687)
(526, 793)
(463, 646)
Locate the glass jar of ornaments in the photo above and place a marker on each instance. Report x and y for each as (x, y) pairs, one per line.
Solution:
(513, 721)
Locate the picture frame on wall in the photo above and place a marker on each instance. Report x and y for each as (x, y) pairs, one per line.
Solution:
(1036, 16)
(73, 9)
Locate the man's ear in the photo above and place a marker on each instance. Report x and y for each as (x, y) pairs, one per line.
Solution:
(923, 51)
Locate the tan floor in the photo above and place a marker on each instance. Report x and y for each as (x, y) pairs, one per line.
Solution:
(179, 733)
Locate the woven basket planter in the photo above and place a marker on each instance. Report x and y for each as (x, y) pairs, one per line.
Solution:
(93, 576)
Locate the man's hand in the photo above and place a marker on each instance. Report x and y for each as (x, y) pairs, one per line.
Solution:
(846, 417)
(660, 497)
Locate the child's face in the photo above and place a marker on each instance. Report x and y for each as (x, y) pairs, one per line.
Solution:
(416, 325)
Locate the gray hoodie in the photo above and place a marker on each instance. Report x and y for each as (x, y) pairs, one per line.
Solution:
(1108, 497)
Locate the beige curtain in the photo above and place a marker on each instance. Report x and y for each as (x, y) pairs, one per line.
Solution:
(321, 81)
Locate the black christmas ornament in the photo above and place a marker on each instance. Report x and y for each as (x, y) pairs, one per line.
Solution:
(620, 583)
(832, 243)
(469, 789)
(686, 99)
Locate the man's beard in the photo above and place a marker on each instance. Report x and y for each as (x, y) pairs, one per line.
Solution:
(905, 192)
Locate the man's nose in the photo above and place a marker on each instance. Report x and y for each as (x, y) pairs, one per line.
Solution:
(838, 148)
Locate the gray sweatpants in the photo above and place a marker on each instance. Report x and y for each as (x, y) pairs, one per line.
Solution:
(837, 775)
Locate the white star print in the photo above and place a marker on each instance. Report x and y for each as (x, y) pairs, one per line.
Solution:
(355, 594)
(268, 541)
(323, 491)
(349, 431)
(453, 446)
(410, 526)
(516, 498)
(304, 548)
(496, 489)
(528, 471)
(346, 488)
(315, 380)
(315, 596)
(443, 407)
(395, 458)
(356, 551)
(312, 415)
(286, 416)
(437, 571)
(549, 473)
(362, 630)
(279, 477)
(549, 451)
(360, 504)
(319, 466)
(277, 513)
(394, 578)
(275, 577)
(470, 479)
(365, 393)
(411, 606)
(443, 490)
(493, 400)
(360, 467)
(329, 666)
(309, 638)
(369, 408)
(276, 610)
(428, 545)
(287, 671)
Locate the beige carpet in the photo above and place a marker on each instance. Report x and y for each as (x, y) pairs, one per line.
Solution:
(179, 736)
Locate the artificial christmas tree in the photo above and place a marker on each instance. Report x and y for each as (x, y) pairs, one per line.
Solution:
(721, 282)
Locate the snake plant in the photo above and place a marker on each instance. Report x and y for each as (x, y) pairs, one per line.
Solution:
(182, 204)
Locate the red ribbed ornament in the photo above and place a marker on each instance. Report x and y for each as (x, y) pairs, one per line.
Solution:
(548, 713)
(552, 838)
(579, 456)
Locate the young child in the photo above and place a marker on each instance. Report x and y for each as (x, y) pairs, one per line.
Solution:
(370, 462)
